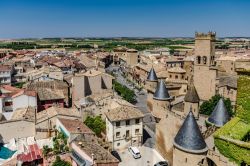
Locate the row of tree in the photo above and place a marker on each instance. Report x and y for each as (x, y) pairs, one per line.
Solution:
(126, 93)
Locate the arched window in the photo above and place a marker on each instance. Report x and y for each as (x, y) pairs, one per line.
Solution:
(204, 60)
(212, 60)
(198, 59)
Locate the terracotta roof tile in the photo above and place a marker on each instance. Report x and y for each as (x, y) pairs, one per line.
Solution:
(75, 126)
(124, 113)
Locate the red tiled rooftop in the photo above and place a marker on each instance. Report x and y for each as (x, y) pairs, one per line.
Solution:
(34, 153)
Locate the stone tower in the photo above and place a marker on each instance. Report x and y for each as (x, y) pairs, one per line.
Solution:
(192, 100)
(161, 99)
(189, 145)
(152, 79)
(132, 57)
(204, 71)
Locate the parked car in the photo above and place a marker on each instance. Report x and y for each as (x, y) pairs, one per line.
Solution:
(162, 163)
(116, 155)
(135, 152)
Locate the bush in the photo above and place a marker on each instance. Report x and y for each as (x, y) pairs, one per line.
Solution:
(207, 107)
(96, 124)
(46, 150)
(60, 143)
(60, 162)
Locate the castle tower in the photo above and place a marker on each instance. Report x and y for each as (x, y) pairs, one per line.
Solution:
(192, 100)
(204, 72)
(132, 57)
(189, 145)
(219, 116)
(152, 79)
(161, 99)
(205, 48)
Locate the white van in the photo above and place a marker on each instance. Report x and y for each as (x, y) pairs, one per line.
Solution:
(135, 152)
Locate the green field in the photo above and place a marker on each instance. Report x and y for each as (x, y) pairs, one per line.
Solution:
(103, 43)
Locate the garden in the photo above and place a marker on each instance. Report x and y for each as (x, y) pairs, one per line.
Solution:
(233, 139)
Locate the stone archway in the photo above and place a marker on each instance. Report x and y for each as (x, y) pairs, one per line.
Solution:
(207, 162)
(210, 162)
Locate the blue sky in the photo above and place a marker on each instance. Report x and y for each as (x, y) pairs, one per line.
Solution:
(123, 18)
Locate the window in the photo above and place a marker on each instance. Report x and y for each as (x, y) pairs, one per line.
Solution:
(204, 60)
(118, 144)
(176, 76)
(127, 122)
(127, 133)
(117, 124)
(137, 131)
(8, 103)
(198, 59)
(117, 134)
(170, 76)
(137, 121)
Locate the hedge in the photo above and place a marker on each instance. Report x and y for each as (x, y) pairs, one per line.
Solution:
(232, 151)
(243, 98)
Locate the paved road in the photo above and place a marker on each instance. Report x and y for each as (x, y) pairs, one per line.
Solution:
(149, 157)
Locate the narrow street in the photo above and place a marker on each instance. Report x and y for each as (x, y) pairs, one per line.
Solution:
(141, 97)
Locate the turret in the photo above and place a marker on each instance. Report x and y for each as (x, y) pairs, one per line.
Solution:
(189, 145)
(220, 115)
(161, 100)
(161, 92)
(152, 79)
(192, 100)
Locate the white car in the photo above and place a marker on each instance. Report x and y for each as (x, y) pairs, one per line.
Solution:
(135, 152)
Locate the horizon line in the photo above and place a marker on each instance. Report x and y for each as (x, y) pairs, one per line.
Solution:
(112, 37)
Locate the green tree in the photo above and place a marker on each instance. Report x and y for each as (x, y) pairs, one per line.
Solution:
(60, 162)
(207, 107)
(46, 151)
(96, 124)
(56, 147)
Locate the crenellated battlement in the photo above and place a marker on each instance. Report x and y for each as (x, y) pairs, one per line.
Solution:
(210, 35)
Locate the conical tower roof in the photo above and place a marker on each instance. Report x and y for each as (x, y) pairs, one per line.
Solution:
(189, 137)
(161, 92)
(219, 115)
(152, 75)
(192, 95)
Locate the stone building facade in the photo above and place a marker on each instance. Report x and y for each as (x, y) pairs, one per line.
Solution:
(124, 127)
(205, 73)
